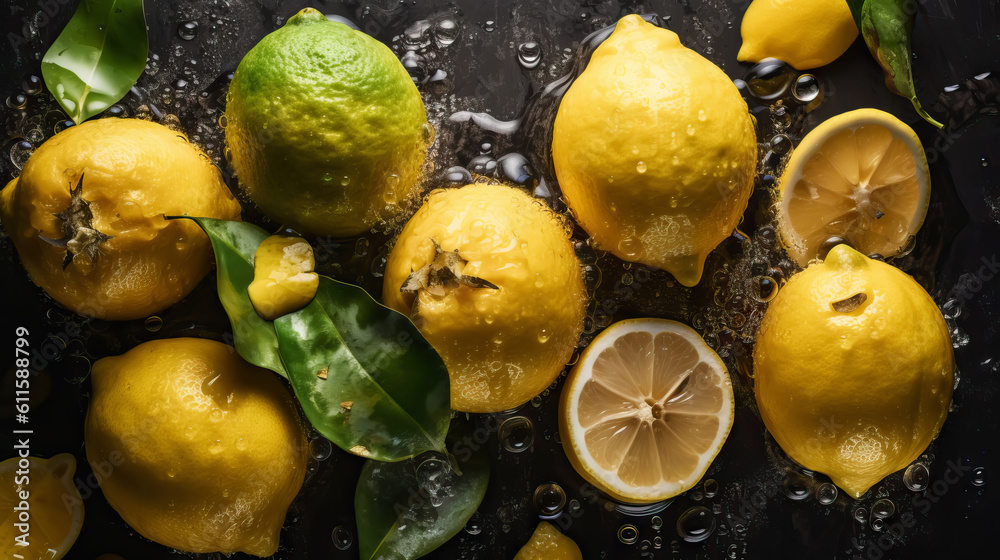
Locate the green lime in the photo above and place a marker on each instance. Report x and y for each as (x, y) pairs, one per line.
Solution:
(327, 131)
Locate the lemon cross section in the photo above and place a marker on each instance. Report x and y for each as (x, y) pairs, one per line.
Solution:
(54, 506)
(646, 410)
(860, 176)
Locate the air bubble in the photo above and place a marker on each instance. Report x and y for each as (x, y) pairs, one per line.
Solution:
(780, 144)
(529, 54)
(826, 494)
(153, 323)
(517, 434)
(797, 487)
(806, 89)
(916, 477)
(19, 101)
(860, 515)
(475, 524)
(446, 32)
(341, 537)
(549, 500)
(883, 509)
(979, 476)
(763, 288)
(769, 79)
(711, 488)
(321, 449)
(32, 84)
(20, 152)
(188, 30)
(628, 534)
(696, 524)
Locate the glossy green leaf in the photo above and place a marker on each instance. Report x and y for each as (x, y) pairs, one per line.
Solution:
(406, 510)
(97, 57)
(365, 376)
(886, 26)
(234, 244)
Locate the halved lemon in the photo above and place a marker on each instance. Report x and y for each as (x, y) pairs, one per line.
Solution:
(645, 410)
(860, 176)
(54, 508)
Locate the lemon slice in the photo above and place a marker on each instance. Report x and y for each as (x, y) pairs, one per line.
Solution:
(861, 176)
(645, 410)
(54, 508)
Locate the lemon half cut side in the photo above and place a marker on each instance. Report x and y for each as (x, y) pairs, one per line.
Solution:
(861, 177)
(646, 410)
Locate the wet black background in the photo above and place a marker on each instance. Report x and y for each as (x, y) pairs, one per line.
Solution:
(955, 258)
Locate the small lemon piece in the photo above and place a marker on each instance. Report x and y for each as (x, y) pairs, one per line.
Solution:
(53, 506)
(853, 369)
(861, 176)
(804, 33)
(207, 450)
(654, 150)
(283, 277)
(489, 276)
(547, 543)
(645, 410)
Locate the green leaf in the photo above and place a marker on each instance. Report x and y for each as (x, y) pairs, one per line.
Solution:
(886, 26)
(365, 376)
(97, 57)
(855, 6)
(406, 510)
(234, 244)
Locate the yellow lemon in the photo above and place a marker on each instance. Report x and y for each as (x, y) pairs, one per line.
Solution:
(803, 33)
(86, 217)
(327, 130)
(645, 410)
(861, 177)
(547, 543)
(654, 150)
(40, 494)
(489, 276)
(207, 450)
(853, 369)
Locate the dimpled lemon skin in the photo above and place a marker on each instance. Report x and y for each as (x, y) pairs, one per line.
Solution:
(654, 150)
(135, 172)
(504, 346)
(804, 33)
(854, 394)
(327, 130)
(208, 450)
(547, 543)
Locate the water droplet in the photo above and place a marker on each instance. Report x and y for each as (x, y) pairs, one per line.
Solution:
(985, 162)
(417, 35)
(780, 144)
(32, 84)
(20, 152)
(916, 477)
(515, 168)
(180, 84)
(711, 488)
(489, 26)
(797, 487)
(458, 175)
(763, 288)
(979, 476)
(529, 54)
(188, 30)
(860, 515)
(19, 101)
(517, 434)
(475, 524)
(877, 523)
(446, 32)
(656, 522)
(536, 401)
(826, 494)
(732, 551)
(657, 542)
(341, 537)
(482, 165)
(883, 508)
(549, 500)
(153, 323)
(806, 89)
(628, 534)
(696, 524)
(321, 448)
(640, 167)
(769, 79)
(415, 64)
